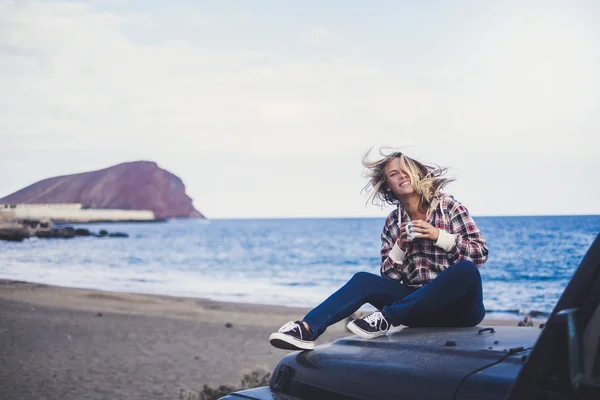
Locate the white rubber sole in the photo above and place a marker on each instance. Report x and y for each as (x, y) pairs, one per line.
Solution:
(364, 334)
(287, 342)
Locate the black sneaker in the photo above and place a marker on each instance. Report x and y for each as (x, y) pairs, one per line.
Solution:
(371, 326)
(293, 336)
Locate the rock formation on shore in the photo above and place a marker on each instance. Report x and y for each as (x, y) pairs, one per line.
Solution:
(138, 185)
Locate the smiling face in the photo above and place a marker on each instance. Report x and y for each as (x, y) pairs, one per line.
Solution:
(397, 180)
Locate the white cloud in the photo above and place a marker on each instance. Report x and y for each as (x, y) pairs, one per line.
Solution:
(318, 36)
(91, 88)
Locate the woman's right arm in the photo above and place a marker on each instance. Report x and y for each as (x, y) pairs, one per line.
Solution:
(391, 254)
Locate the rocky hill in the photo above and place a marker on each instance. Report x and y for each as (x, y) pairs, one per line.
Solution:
(138, 185)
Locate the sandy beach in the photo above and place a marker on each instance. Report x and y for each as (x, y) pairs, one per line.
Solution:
(63, 343)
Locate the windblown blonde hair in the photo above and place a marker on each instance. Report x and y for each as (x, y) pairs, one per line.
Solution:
(427, 180)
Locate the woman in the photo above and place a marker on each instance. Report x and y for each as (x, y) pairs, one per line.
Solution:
(428, 277)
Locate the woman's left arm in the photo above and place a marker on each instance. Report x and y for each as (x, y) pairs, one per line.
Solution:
(465, 242)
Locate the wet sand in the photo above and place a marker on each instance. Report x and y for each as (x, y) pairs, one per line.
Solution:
(63, 343)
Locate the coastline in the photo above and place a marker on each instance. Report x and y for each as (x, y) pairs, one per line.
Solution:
(62, 343)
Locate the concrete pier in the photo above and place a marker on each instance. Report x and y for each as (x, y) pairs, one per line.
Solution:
(71, 213)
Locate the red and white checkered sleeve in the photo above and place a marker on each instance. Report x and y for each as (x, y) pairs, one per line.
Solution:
(391, 255)
(469, 243)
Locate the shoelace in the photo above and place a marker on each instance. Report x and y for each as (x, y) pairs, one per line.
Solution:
(374, 318)
(290, 326)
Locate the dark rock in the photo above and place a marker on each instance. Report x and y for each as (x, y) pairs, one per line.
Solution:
(228, 325)
(118, 235)
(99, 314)
(450, 343)
(104, 233)
(67, 232)
(45, 234)
(536, 314)
(57, 233)
(526, 322)
(82, 232)
(14, 235)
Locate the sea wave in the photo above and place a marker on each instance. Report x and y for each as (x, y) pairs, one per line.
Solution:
(294, 262)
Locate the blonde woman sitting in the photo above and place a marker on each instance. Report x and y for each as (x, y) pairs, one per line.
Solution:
(429, 271)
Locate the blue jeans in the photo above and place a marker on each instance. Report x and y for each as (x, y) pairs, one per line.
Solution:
(453, 298)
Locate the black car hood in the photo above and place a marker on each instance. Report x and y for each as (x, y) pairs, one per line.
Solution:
(411, 363)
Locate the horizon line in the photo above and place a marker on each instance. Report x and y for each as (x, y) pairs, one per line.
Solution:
(384, 216)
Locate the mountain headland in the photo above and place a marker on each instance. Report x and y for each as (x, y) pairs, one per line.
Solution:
(137, 185)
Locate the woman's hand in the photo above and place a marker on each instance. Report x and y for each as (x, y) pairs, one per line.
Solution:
(404, 240)
(426, 230)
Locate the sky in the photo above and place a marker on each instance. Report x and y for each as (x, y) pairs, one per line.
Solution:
(265, 108)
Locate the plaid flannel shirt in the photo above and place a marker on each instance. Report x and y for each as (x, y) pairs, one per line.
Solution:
(424, 259)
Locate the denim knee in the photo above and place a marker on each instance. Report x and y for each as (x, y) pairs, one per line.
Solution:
(465, 267)
(362, 276)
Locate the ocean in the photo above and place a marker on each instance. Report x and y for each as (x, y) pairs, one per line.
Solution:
(294, 262)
